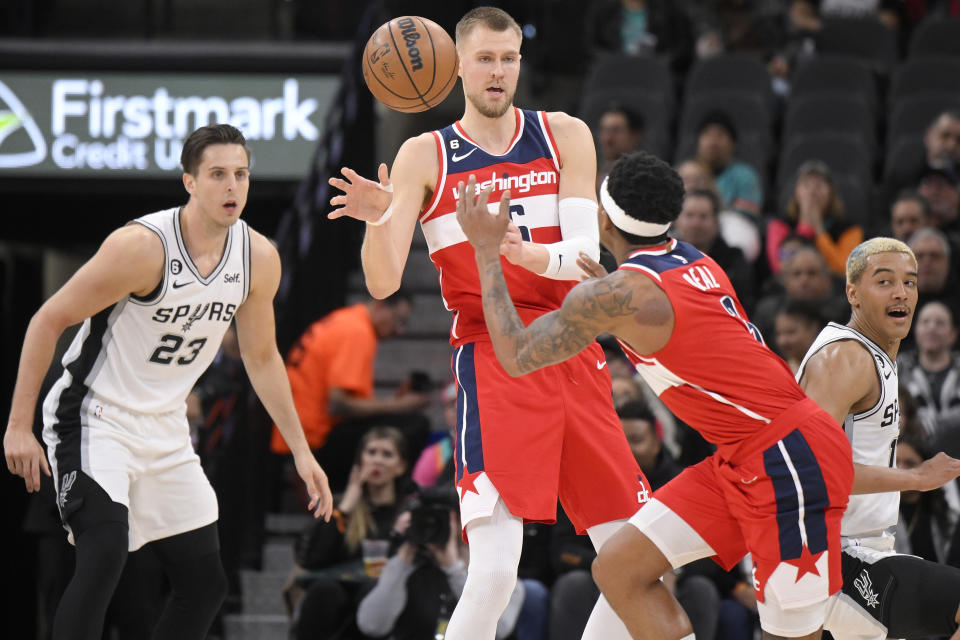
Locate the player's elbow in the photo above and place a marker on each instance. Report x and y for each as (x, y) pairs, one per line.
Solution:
(513, 371)
(510, 365)
(380, 288)
(51, 319)
(590, 247)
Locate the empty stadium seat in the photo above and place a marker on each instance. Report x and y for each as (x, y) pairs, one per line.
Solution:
(729, 73)
(865, 38)
(820, 113)
(625, 72)
(924, 76)
(834, 74)
(935, 36)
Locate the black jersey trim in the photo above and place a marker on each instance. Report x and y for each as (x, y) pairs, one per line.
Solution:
(186, 254)
(246, 262)
(70, 402)
(870, 346)
(866, 343)
(893, 365)
(154, 296)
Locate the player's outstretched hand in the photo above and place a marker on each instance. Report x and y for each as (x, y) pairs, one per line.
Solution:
(590, 267)
(937, 471)
(363, 199)
(25, 457)
(318, 487)
(482, 227)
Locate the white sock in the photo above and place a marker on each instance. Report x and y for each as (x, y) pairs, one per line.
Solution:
(495, 545)
(604, 624)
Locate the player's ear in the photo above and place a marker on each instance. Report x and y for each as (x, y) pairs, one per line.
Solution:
(603, 220)
(852, 296)
(188, 182)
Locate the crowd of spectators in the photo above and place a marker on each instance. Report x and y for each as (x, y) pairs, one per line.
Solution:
(778, 206)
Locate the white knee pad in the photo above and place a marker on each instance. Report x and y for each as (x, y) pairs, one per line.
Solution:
(600, 533)
(495, 546)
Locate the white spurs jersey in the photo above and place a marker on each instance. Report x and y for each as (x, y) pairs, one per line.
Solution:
(873, 438)
(145, 354)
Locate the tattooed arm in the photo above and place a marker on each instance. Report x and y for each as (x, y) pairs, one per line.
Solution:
(591, 308)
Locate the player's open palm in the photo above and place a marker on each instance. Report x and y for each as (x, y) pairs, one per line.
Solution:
(318, 487)
(482, 227)
(937, 471)
(25, 457)
(363, 199)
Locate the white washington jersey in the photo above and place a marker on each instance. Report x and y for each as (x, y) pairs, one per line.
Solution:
(873, 437)
(145, 354)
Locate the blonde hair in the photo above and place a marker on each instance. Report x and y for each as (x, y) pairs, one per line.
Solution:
(360, 523)
(857, 260)
(489, 17)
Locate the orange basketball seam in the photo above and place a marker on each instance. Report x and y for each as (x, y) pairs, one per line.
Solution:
(433, 50)
(453, 71)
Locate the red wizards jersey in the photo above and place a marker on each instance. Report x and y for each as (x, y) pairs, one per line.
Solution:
(530, 169)
(716, 374)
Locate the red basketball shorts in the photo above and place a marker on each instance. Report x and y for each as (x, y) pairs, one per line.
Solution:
(548, 434)
(781, 500)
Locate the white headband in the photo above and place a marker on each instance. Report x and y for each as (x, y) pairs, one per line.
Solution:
(627, 223)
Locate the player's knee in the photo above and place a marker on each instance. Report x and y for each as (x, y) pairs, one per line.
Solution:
(201, 582)
(214, 586)
(491, 583)
(604, 573)
(618, 575)
(103, 546)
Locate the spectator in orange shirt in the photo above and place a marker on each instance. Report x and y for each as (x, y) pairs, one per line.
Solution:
(331, 375)
(815, 211)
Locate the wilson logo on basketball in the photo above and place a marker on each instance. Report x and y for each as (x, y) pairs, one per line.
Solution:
(408, 29)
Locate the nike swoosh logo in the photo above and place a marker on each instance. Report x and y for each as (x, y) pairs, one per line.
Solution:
(601, 365)
(457, 158)
(887, 375)
(177, 285)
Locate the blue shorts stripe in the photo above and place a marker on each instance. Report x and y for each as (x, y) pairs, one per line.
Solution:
(788, 502)
(469, 445)
(813, 493)
(816, 500)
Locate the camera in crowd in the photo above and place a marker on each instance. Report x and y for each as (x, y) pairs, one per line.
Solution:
(430, 516)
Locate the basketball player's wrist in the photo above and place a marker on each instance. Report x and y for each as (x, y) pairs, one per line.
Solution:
(382, 219)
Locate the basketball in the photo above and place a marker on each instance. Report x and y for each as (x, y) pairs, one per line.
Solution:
(410, 64)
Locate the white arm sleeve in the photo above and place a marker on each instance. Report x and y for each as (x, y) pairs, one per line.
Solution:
(578, 227)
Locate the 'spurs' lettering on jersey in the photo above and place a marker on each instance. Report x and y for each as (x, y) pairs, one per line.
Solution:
(145, 354)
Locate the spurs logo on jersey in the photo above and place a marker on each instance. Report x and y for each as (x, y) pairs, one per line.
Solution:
(873, 436)
(146, 353)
